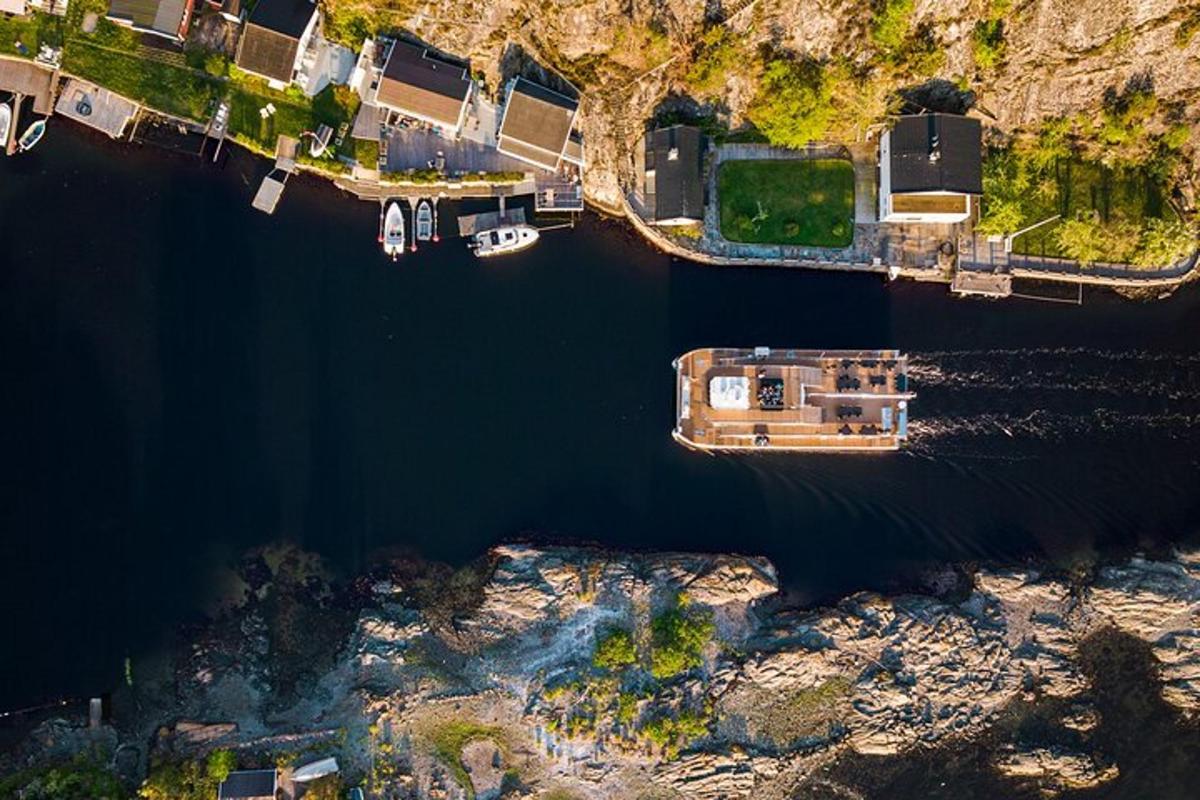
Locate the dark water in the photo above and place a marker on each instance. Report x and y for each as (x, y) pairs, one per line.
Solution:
(184, 378)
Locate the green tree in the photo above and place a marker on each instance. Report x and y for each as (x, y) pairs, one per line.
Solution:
(220, 764)
(678, 637)
(792, 106)
(615, 650)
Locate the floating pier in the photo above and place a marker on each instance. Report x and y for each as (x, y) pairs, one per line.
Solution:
(470, 224)
(271, 189)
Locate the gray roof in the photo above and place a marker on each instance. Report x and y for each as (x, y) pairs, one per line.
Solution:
(937, 153)
(248, 785)
(161, 16)
(417, 82)
(267, 52)
(536, 123)
(675, 154)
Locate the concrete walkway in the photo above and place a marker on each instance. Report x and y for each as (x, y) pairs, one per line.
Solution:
(865, 159)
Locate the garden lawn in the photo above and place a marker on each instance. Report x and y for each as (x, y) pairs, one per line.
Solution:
(294, 113)
(31, 31)
(804, 202)
(1084, 186)
(175, 90)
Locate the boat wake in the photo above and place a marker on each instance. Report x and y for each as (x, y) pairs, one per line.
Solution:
(1051, 395)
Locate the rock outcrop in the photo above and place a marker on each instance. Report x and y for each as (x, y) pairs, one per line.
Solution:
(503, 693)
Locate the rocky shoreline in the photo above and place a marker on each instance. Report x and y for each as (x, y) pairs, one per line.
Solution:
(488, 681)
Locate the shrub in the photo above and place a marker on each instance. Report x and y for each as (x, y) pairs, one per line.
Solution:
(678, 637)
(674, 733)
(891, 21)
(792, 105)
(717, 55)
(220, 764)
(987, 43)
(1164, 242)
(615, 650)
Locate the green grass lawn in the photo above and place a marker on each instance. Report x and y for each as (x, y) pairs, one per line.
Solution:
(31, 31)
(1082, 186)
(808, 202)
(172, 89)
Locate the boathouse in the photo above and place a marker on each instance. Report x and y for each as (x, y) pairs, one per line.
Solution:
(276, 38)
(419, 84)
(252, 784)
(930, 169)
(166, 18)
(670, 171)
(539, 126)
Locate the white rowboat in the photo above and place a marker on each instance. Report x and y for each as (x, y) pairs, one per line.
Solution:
(424, 222)
(32, 135)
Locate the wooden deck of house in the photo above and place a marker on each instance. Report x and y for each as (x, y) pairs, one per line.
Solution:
(792, 400)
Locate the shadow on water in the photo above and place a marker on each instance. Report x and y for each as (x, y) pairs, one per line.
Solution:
(186, 378)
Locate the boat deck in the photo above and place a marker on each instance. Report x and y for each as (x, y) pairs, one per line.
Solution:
(729, 399)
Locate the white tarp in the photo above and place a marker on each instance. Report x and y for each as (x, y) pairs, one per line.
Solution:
(729, 392)
(317, 769)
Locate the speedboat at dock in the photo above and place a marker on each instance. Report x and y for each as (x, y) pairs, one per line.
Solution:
(32, 135)
(393, 230)
(506, 239)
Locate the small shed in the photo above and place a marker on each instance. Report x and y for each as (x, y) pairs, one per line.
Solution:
(251, 784)
(671, 180)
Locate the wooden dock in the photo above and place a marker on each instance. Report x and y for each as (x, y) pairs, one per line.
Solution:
(967, 283)
(470, 224)
(270, 191)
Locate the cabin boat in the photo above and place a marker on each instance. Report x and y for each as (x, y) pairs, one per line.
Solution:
(424, 221)
(5, 123)
(506, 239)
(393, 230)
(32, 135)
(730, 399)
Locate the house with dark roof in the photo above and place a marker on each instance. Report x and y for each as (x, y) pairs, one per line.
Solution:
(930, 169)
(670, 169)
(419, 84)
(249, 784)
(538, 126)
(166, 18)
(277, 34)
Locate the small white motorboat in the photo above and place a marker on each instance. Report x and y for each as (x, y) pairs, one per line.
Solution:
(507, 239)
(32, 135)
(424, 221)
(393, 230)
(5, 123)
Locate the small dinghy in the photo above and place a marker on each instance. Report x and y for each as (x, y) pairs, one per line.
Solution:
(424, 221)
(508, 239)
(32, 135)
(393, 230)
(5, 123)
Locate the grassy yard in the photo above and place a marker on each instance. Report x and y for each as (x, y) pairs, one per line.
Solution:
(808, 202)
(31, 32)
(173, 89)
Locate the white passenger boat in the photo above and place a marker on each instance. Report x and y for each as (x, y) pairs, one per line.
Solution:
(508, 239)
(424, 221)
(393, 230)
(32, 135)
(5, 123)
